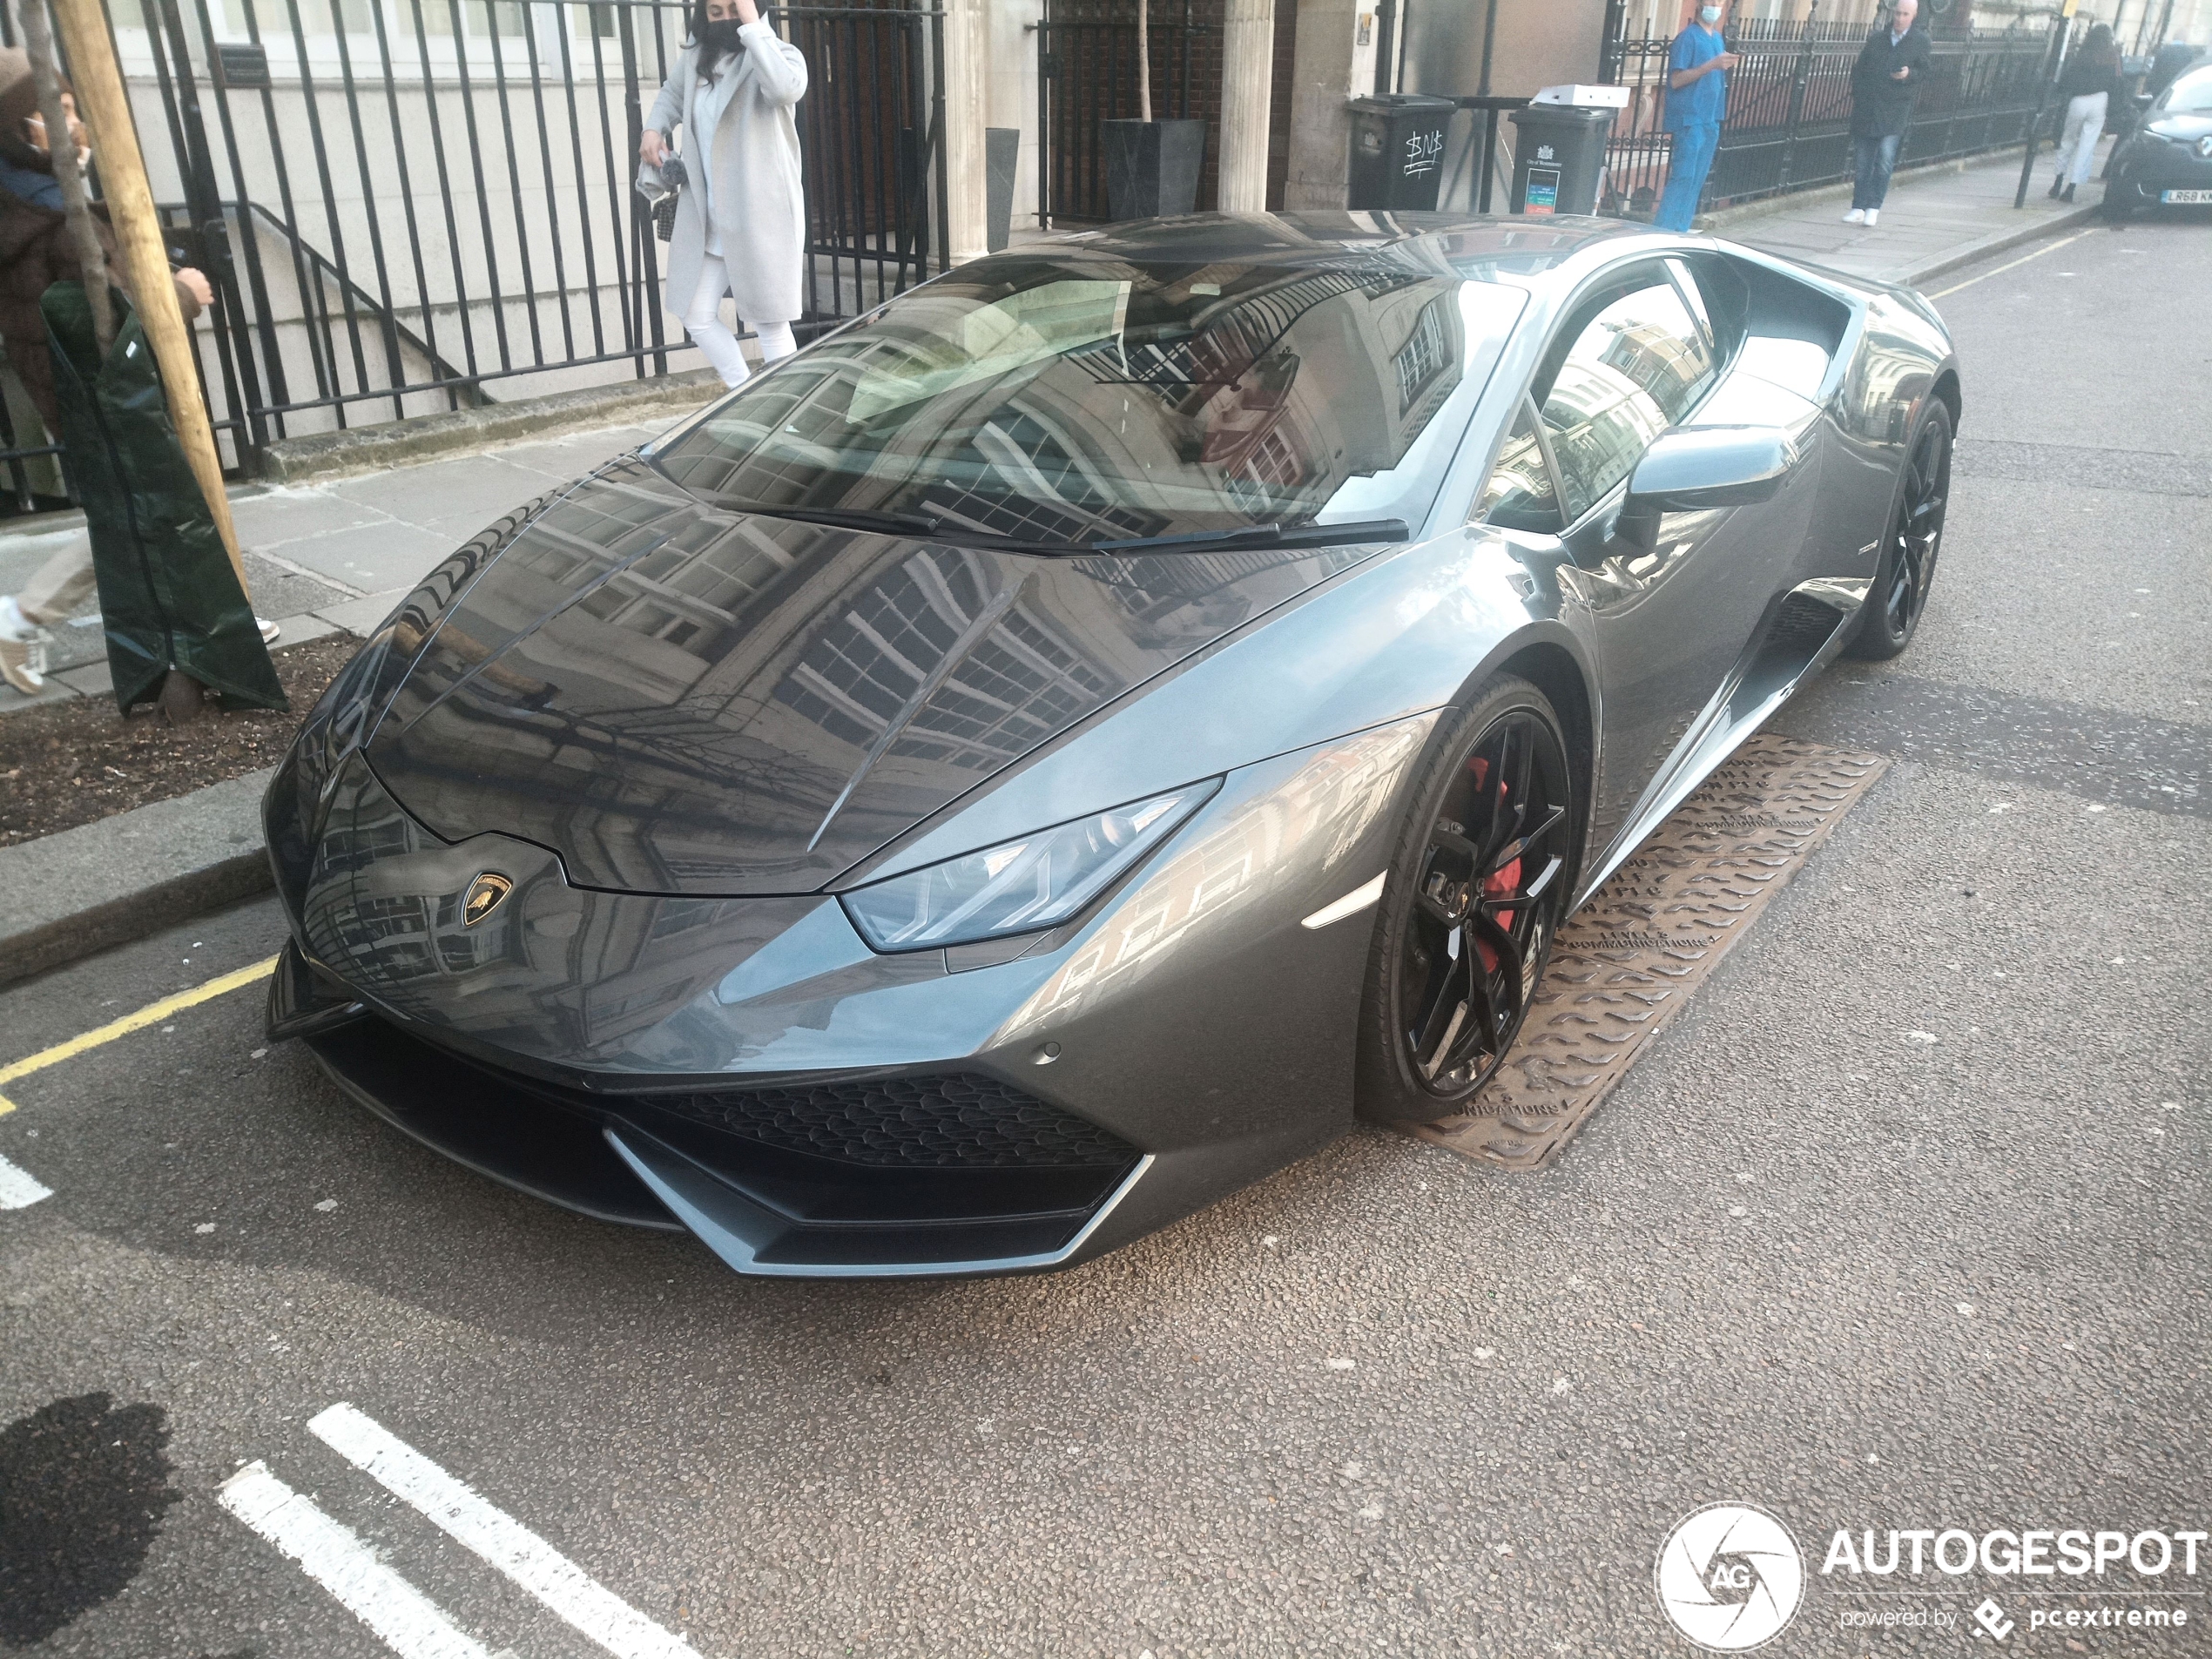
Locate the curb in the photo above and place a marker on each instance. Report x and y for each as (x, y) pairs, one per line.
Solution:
(372, 448)
(160, 863)
(1997, 242)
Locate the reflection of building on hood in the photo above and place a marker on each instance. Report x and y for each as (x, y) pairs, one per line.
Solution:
(18, 103)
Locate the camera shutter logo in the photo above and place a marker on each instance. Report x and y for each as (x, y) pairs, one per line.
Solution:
(1729, 1577)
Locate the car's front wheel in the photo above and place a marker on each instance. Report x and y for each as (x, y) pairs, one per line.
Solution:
(1475, 892)
(1891, 613)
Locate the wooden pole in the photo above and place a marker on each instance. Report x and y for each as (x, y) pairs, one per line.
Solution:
(39, 47)
(106, 110)
(1145, 60)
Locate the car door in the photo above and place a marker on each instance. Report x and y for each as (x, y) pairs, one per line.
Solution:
(1667, 622)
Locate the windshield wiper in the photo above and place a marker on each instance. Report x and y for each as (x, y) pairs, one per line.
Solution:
(851, 518)
(1365, 529)
(929, 524)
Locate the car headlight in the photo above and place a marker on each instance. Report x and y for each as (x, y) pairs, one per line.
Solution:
(1018, 887)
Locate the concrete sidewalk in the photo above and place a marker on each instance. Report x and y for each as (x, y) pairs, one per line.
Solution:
(1936, 218)
(321, 558)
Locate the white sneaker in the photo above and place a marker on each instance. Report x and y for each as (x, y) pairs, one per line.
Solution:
(1857, 216)
(270, 630)
(1872, 214)
(23, 649)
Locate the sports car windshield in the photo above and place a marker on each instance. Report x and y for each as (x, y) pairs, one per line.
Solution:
(1062, 402)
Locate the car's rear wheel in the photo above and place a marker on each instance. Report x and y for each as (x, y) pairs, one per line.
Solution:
(1475, 893)
(1894, 605)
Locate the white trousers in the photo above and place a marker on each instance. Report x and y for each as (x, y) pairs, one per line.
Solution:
(2085, 124)
(703, 321)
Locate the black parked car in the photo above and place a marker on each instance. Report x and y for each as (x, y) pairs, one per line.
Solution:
(2166, 161)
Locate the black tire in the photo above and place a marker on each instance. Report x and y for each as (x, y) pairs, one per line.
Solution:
(1910, 545)
(1494, 820)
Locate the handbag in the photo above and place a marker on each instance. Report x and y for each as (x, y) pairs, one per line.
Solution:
(660, 186)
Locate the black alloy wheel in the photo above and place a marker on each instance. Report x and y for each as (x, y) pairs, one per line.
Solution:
(1900, 595)
(1475, 897)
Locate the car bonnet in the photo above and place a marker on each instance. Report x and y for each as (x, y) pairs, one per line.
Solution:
(682, 700)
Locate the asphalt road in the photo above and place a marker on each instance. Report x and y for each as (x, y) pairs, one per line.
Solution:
(1804, 1257)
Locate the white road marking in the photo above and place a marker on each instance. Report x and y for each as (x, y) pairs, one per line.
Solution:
(335, 1558)
(19, 1189)
(498, 1537)
(2048, 247)
(1351, 905)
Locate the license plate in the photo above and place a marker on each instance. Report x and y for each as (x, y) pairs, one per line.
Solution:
(2185, 198)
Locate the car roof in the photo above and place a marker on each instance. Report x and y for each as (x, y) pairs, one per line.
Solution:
(1520, 244)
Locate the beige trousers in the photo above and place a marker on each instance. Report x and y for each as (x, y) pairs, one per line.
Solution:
(59, 587)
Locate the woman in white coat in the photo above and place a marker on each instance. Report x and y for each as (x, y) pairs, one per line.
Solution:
(741, 217)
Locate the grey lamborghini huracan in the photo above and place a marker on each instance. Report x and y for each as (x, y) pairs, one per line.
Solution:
(1056, 749)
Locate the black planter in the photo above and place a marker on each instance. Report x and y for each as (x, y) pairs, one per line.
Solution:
(1152, 167)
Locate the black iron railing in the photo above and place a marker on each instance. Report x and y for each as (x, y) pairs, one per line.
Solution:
(1787, 122)
(408, 205)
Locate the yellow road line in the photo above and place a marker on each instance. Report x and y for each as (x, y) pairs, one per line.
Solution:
(2048, 247)
(153, 1014)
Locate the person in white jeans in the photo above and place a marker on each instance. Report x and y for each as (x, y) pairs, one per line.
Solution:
(2092, 76)
(740, 226)
(2085, 124)
(703, 321)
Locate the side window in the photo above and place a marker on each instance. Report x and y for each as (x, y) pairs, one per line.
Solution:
(1519, 495)
(1636, 366)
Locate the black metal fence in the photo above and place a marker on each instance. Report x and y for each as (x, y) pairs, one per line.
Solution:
(1087, 73)
(1787, 122)
(407, 206)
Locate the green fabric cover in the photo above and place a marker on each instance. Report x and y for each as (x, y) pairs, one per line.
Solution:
(168, 595)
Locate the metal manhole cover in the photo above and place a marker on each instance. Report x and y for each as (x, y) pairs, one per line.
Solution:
(1629, 959)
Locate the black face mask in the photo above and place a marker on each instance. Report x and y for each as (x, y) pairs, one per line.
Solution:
(722, 37)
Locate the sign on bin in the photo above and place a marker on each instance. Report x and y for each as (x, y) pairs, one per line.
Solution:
(1542, 195)
(1559, 160)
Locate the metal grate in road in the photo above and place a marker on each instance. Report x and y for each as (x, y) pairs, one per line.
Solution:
(1633, 955)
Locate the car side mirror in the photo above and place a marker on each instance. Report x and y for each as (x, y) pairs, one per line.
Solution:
(1696, 469)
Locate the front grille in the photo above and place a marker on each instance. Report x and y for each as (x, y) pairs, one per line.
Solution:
(956, 1123)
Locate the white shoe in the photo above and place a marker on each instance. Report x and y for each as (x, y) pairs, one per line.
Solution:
(1857, 216)
(1872, 214)
(270, 630)
(23, 649)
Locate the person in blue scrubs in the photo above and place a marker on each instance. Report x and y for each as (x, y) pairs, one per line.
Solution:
(1696, 100)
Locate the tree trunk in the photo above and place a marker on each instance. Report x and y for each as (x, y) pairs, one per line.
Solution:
(1143, 62)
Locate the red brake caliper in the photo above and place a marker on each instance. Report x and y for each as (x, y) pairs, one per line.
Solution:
(1497, 886)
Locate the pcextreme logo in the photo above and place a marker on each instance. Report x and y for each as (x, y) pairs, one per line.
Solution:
(1729, 1577)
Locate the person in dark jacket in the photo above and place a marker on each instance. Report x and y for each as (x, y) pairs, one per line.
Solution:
(36, 251)
(2087, 88)
(1884, 85)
